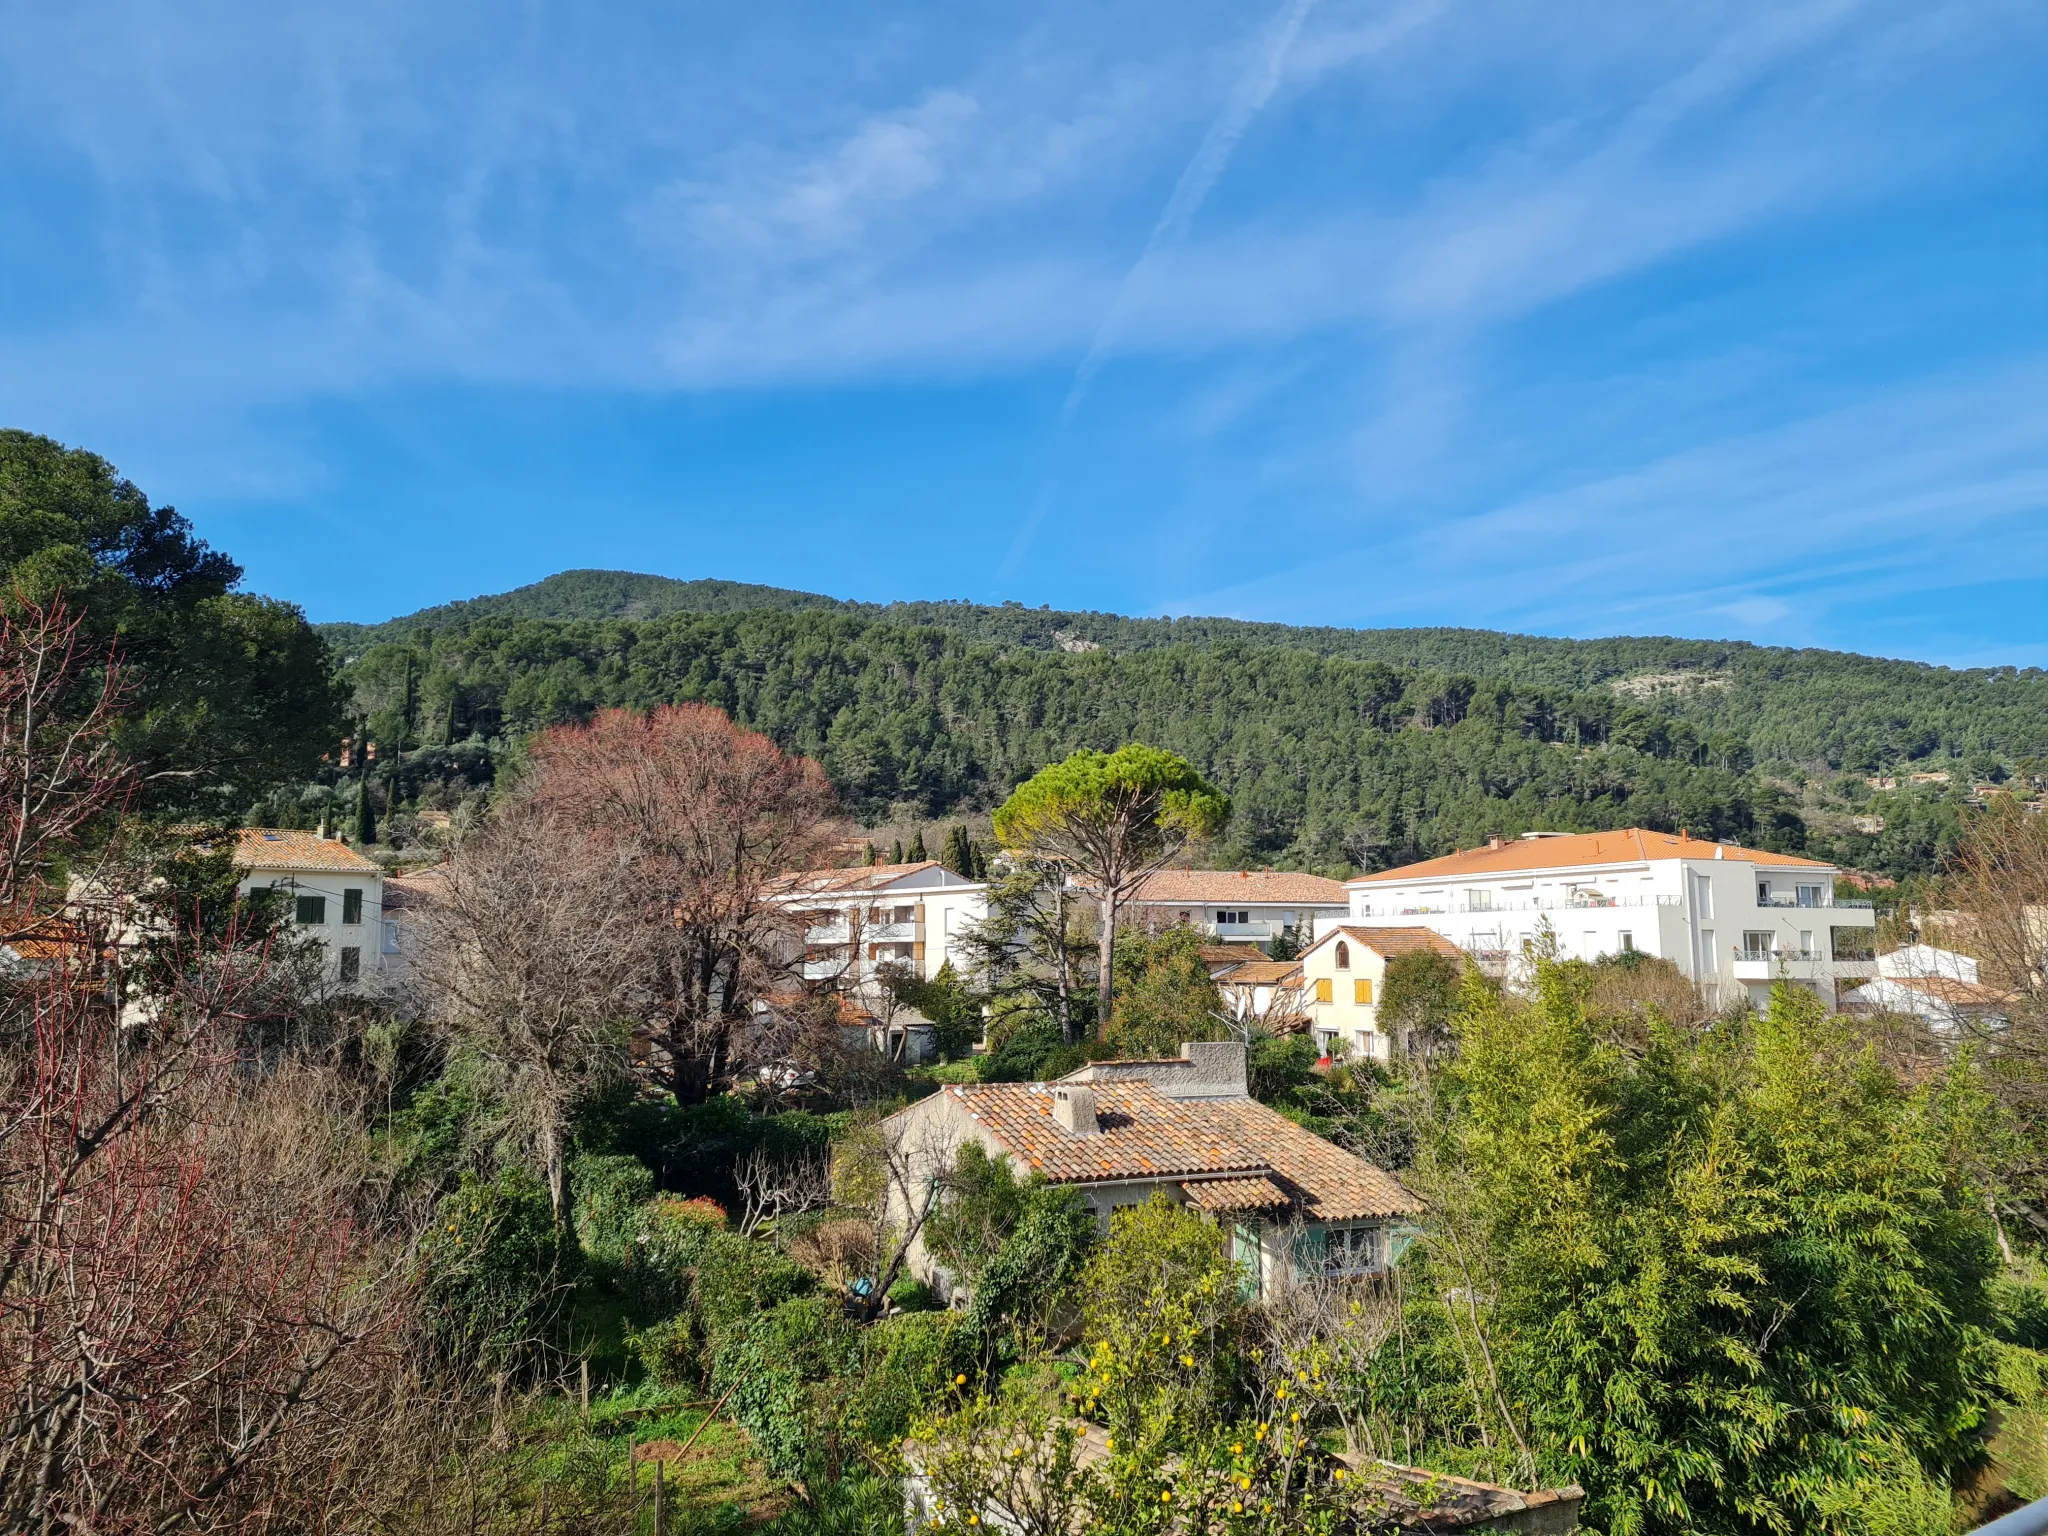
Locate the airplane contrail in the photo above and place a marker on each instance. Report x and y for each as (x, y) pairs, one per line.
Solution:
(1197, 179)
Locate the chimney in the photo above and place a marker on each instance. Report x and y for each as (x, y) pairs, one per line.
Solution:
(1216, 1070)
(1720, 852)
(1493, 842)
(1073, 1110)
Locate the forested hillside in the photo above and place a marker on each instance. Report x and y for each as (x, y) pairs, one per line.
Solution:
(1333, 762)
(1808, 707)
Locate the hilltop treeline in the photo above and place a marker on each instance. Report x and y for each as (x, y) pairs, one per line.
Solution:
(1809, 707)
(1332, 762)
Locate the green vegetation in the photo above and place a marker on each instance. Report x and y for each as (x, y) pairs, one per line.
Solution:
(1338, 749)
(229, 694)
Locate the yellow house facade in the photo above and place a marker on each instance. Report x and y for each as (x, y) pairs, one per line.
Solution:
(1344, 978)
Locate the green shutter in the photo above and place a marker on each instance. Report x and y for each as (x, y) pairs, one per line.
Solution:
(1311, 1249)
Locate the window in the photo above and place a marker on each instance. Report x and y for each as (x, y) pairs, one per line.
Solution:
(1703, 894)
(1805, 942)
(1628, 941)
(1361, 992)
(1232, 919)
(1343, 956)
(352, 905)
(1479, 901)
(1337, 1251)
(310, 909)
(1809, 895)
(1763, 894)
(1322, 989)
(1758, 944)
(390, 926)
(351, 964)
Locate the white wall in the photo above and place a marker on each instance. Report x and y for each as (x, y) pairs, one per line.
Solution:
(1693, 912)
(366, 936)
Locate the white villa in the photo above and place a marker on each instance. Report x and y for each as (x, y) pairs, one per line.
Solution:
(1942, 987)
(1255, 905)
(332, 894)
(1734, 920)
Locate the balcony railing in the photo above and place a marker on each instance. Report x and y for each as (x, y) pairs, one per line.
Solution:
(1772, 956)
(1527, 904)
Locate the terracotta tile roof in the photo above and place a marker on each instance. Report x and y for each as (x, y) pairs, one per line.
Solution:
(844, 882)
(1332, 1184)
(409, 893)
(1229, 954)
(1260, 973)
(1631, 845)
(1257, 886)
(283, 848)
(1260, 1194)
(48, 937)
(1389, 942)
(1143, 1133)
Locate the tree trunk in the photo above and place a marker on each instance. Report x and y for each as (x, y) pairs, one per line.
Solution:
(558, 1171)
(1063, 969)
(1105, 960)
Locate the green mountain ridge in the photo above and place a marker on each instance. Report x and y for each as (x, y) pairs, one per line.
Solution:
(1340, 747)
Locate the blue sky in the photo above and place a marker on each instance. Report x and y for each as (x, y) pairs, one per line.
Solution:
(1608, 318)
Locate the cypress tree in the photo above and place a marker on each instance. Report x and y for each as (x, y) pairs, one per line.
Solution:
(896, 851)
(917, 855)
(366, 814)
(872, 857)
(959, 852)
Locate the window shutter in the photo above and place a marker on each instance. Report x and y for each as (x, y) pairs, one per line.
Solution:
(1361, 993)
(1323, 989)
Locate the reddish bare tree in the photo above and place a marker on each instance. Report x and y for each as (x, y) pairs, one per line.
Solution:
(58, 767)
(532, 957)
(187, 1303)
(707, 817)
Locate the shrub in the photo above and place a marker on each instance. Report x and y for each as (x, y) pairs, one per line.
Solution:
(608, 1193)
(737, 1276)
(906, 1364)
(1163, 993)
(912, 1295)
(981, 1204)
(497, 1279)
(1023, 1282)
(782, 1366)
(1034, 1054)
(672, 1351)
(836, 1251)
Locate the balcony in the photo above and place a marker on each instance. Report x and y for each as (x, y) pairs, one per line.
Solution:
(892, 933)
(1770, 964)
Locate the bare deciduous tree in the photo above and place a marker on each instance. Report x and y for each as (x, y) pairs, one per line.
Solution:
(531, 955)
(59, 770)
(708, 818)
(771, 1188)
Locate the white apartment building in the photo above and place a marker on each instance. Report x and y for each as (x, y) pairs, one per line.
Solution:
(1734, 920)
(331, 893)
(859, 920)
(1242, 904)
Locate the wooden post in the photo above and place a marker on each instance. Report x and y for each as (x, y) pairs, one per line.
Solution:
(584, 1386)
(543, 1508)
(659, 1500)
(632, 1467)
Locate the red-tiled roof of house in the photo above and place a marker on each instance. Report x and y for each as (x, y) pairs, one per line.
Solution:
(1952, 990)
(1260, 887)
(1330, 1183)
(307, 852)
(1260, 973)
(1631, 845)
(1259, 1194)
(1143, 1134)
(1389, 942)
(842, 882)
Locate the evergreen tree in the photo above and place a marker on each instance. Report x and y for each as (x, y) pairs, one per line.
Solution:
(958, 854)
(917, 855)
(366, 813)
(896, 851)
(869, 857)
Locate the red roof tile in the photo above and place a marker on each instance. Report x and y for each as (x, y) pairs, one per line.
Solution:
(1631, 845)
